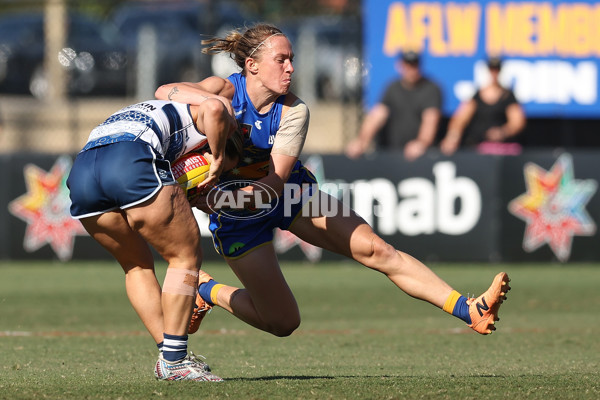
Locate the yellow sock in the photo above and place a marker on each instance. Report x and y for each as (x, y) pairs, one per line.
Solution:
(214, 292)
(456, 304)
(451, 301)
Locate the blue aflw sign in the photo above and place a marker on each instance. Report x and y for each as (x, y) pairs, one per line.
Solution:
(551, 49)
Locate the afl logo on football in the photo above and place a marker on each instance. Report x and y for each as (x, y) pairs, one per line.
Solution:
(229, 200)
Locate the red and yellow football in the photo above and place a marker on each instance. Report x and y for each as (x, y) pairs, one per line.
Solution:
(190, 170)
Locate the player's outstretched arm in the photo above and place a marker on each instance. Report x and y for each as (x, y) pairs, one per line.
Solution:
(196, 93)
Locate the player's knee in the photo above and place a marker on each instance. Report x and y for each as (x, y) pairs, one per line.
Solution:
(377, 250)
(283, 331)
(377, 254)
(184, 259)
(285, 327)
(382, 250)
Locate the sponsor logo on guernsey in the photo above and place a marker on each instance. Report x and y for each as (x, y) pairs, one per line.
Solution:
(258, 124)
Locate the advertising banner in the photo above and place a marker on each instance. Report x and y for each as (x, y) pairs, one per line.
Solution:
(550, 48)
(538, 206)
(433, 208)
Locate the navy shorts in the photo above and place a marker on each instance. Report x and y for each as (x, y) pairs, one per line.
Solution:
(233, 238)
(116, 176)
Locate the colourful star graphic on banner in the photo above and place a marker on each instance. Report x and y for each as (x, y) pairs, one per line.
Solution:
(554, 207)
(45, 209)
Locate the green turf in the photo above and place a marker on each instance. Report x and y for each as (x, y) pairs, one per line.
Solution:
(67, 331)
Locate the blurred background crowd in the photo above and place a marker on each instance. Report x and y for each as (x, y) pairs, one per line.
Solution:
(65, 65)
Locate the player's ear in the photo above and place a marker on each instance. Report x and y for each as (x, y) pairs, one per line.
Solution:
(251, 65)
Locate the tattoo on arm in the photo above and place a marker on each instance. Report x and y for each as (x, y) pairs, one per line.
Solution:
(173, 92)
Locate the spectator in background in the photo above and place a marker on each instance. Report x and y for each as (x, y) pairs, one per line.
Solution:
(407, 116)
(492, 116)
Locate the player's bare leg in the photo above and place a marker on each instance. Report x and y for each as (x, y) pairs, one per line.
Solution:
(154, 220)
(113, 232)
(348, 234)
(168, 224)
(265, 301)
(352, 237)
(269, 304)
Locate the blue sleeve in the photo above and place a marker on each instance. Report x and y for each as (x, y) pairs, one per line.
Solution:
(239, 83)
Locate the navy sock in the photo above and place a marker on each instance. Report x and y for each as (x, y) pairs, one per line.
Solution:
(461, 310)
(205, 289)
(160, 346)
(174, 347)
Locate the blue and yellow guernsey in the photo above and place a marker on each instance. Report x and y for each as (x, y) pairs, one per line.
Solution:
(239, 231)
(259, 132)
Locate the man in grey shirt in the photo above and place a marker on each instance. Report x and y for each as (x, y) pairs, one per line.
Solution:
(407, 116)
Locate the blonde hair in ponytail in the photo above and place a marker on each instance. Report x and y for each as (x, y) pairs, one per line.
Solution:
(239, 45)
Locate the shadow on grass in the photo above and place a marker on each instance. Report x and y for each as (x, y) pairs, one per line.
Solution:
(289, 378)
(330, 377)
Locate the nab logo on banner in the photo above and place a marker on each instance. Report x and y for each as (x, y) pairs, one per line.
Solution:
(411, 207)
(419, 206)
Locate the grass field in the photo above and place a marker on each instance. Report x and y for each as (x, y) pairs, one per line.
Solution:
(67, 331)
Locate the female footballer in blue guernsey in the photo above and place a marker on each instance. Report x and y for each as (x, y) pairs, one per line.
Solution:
(275, 124)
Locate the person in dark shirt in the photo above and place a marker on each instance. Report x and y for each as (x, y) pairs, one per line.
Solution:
(493, 114)
(407, 116)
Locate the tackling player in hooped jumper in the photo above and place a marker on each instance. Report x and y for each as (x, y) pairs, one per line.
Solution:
(124, 193)
(276, 124)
